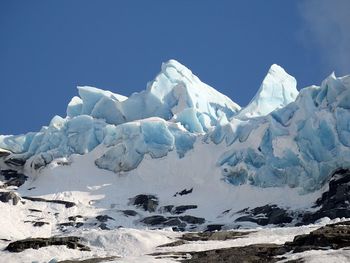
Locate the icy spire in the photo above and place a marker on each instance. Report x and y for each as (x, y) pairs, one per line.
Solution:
(276, 91)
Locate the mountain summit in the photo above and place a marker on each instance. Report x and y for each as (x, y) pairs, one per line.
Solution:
(277, 90)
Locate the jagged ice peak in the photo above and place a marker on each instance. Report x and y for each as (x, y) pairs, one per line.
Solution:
(277, 90)
(281, 137)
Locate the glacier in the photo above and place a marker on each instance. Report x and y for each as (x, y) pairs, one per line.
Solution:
(283, 137)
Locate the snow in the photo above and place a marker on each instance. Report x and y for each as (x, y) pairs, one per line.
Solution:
(132, 243)
(97, 190)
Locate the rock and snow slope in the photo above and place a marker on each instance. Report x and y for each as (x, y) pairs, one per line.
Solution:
(180, 155)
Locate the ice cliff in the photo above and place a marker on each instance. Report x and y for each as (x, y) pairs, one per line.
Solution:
(280, 138)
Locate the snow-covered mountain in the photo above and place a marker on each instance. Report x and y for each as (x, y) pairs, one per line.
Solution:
(280, 138)
(182, 155)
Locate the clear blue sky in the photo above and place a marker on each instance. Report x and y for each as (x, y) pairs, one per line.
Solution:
(47, 48)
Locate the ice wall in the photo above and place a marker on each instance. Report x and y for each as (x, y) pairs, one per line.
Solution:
(297, 145)
(282, 138)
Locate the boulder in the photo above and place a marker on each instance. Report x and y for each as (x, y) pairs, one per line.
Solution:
(192, 219)
(174, 222)
(40, 223)
(154, 220)
(72, 242)
(333, 236)
(67, 204)
(166, 209)
(265, 215)
(129, 212)
(4, 153)
(104, 218)
(13, 178)
(9, 196)
(146, 202)
(214, 227)
(74, 218)
(15, 162)
(183, 208)
(183, 192)
(104, 226)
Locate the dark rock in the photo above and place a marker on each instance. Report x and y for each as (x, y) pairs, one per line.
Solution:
(39, 223)
(214, 227)
(265, 215)
(8, 173)
(178, 229)
(15, 162)
(79, 224)
(38, 199)
(90, 260)
(226, 212)
(333, 236)
(166, 209)
(154, 220)
(74, 218)
(104, 218)
(9, 196)
(182, 208)
(63, 226)
(335, 202)
(183, 192)
(129, 212)
(13, 178)
(192, 219)
(174, 222)
(35, 210)
(146, 202)
(253, 253)
(36, 243)
(257, 253)
(66, 224)
(4, 153)
(219, 235)
(104, 226)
